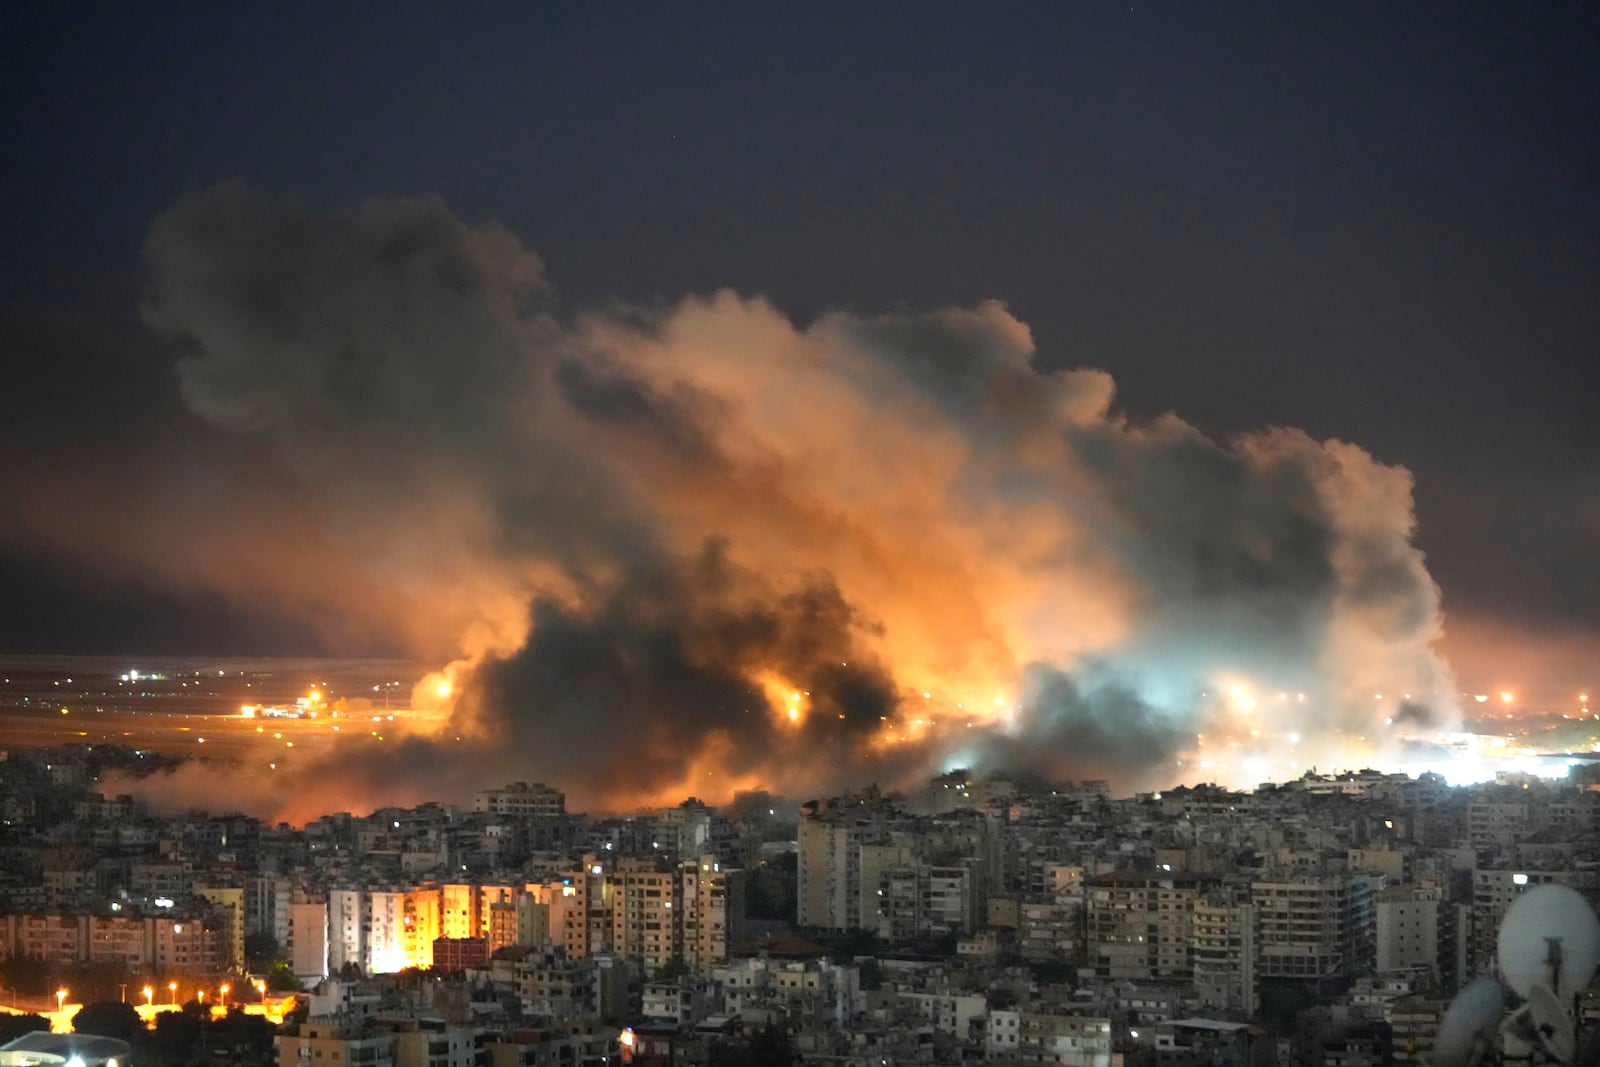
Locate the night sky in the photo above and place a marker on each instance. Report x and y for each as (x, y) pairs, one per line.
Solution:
(1375, 222)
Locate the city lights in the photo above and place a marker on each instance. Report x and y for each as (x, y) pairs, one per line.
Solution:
(864, 535)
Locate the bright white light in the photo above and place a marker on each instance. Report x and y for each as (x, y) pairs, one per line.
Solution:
(1519, 879)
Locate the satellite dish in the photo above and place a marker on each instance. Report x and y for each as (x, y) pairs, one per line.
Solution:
(1550, 937)
(1547, 1023)
(1470, 1023)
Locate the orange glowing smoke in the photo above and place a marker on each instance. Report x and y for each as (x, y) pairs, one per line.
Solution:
(705, 547)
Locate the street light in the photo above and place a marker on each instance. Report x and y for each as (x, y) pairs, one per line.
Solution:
(172, 987)
(149, 997)
(224, 992)
(261, 987)
(61, 1000)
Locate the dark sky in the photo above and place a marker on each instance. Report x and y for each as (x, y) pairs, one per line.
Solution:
(1378, 222)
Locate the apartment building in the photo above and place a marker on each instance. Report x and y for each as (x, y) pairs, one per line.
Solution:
(1315, 926)
(1226, 931)
(523, 800)
(1142, 925)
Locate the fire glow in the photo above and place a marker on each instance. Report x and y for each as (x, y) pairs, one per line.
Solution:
(700, 548)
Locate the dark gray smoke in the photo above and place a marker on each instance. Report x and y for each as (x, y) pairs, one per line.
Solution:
(703, 547)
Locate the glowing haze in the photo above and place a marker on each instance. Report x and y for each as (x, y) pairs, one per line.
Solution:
(702, 547)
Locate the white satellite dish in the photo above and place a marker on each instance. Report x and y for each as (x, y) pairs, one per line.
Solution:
(1544, 1022)
(1470, 1023)
(1550, 937)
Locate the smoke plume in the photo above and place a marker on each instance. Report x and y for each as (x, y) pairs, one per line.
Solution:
(703, 547)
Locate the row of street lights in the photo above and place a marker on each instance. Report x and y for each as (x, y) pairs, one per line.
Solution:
(200, 994)
(150, 994)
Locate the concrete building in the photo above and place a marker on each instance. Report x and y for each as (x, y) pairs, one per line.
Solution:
(195, 942)
(833, 891)
(523, 800)
(1068, 1037)
(348, 924)
(231, 899)
(1407, 919)
(1141, 925)
(711, 911)
(307, 941)
(1314, 927)
(643, 894)
(1050, 929)
(344, 1040)
(1226, 934)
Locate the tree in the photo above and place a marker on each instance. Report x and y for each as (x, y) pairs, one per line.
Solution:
(672, 970)
(27, 974)
(281, 979)
(243, 1035)
(177, 1036)
(770, 890)
(108, 1018)
(96, 980)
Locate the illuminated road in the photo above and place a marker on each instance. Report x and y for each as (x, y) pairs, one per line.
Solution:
(192, 708)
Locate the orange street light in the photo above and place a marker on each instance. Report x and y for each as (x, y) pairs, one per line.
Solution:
(61, 1000)
(172, 987)
(224, 991)
(149, 996)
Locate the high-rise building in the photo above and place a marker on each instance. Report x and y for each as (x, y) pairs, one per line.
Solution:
(1226, 926)
(1141, 925)
(1315, 926)
(1407, 928)
(830, 876)
(348, 926)
(711, 911)
(643, 893)
(307, 940)
(231, 899)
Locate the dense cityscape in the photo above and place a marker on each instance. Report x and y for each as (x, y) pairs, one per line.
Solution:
(1325, 920)
(799, 535)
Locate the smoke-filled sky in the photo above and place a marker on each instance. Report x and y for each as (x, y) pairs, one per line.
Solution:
(769, 395)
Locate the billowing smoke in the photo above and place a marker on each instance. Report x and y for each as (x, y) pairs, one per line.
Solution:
(698, 548)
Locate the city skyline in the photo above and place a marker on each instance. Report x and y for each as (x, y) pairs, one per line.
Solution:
(1181, 394)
